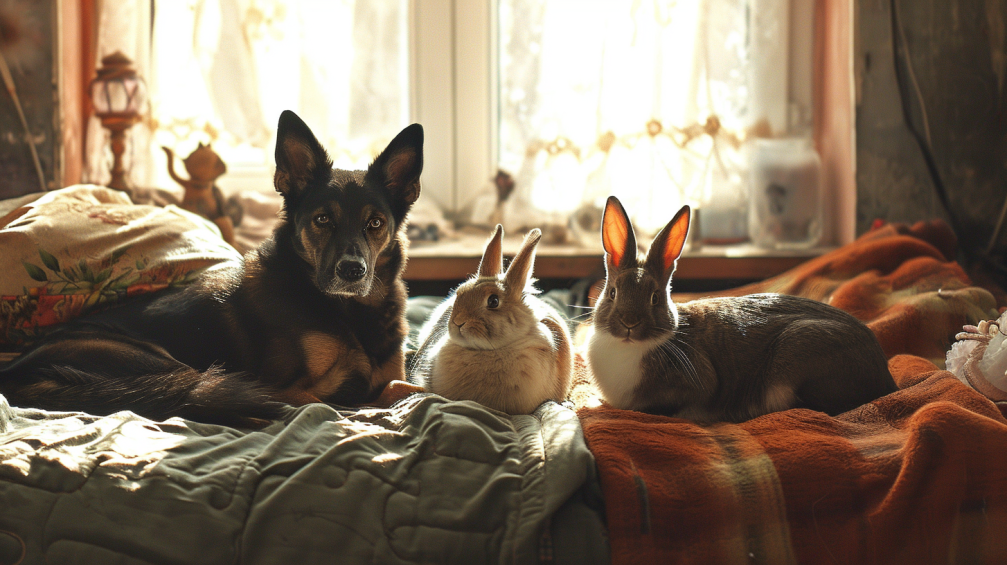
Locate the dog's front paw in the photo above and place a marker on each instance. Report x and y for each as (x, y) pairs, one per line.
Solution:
(394, 392)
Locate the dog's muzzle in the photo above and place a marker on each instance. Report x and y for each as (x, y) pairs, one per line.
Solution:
(351, 270)
(351, 279)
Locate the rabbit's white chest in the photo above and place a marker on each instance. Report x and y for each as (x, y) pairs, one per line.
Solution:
(514, 379)
(617, 367)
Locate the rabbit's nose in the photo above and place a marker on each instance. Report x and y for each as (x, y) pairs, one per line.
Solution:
(459, 326)
(629, 324)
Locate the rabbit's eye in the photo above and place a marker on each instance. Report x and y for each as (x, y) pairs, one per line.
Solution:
(653, 299)
(493, 301)
(611, 293)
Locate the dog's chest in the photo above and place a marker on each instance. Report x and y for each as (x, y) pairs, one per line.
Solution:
(316, 362)
(328, 357)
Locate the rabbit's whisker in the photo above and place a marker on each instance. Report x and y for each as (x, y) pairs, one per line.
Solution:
(676, 357)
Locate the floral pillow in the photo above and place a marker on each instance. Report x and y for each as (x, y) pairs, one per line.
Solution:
(83, 247)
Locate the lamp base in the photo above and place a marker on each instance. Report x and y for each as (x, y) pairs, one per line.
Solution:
(117, 125)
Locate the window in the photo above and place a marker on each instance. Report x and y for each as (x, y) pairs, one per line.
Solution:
(656, 101)
(652, 100)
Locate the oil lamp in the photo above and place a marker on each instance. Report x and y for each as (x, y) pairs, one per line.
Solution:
(117, 95)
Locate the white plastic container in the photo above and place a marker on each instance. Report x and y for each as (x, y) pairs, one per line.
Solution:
(785, 194)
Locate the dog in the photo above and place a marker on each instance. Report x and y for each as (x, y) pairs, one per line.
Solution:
(315, 314)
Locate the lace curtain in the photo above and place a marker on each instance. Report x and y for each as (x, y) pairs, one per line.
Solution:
(221, 71)
(650, 100)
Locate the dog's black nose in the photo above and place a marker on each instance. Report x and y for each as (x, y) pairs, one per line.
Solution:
(351, 270)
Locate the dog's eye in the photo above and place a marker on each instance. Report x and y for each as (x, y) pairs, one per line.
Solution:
(493, 301)
(375, 223)
(321, 219)
(611, 293)
(653, 299)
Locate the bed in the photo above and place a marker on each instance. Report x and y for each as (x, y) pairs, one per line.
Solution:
(918, 476)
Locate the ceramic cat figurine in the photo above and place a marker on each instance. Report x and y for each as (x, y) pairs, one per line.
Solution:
(202, 196)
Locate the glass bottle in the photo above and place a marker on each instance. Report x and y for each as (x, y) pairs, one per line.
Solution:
(785, 194)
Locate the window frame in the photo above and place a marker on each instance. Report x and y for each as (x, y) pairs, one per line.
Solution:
(454, 95)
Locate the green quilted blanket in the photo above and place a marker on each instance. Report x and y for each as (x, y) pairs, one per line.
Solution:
(427, 481)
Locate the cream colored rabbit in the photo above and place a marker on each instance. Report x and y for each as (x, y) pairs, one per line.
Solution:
(720, 359)
(493, 341)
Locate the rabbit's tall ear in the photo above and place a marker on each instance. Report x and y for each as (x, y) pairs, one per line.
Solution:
(491, 264)
(617, 236)
(519, 271)
(669, 243)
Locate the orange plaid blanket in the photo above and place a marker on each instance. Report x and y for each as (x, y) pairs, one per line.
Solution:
(919, 476)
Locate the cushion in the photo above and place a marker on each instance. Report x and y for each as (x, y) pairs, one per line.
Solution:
(72, 250)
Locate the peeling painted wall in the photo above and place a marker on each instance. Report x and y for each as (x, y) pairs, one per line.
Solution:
(27, 45)
(957, 52)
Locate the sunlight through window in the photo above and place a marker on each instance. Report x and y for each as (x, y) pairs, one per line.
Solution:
(651, 101)
(224, 71)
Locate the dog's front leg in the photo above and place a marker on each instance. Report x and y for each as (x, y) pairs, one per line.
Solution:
(392, 377)
(296, 397)
(394, 369)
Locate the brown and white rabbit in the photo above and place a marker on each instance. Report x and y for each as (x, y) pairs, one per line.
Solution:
(719, 359)
(493, 341)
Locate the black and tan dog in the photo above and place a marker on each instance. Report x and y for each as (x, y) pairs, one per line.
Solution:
(316, 313)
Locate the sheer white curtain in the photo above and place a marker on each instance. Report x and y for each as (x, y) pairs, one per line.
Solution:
(221, 71)
(650, 100)
(654, 101)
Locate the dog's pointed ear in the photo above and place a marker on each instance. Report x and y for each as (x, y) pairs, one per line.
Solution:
(519, 271)
(491, 264)
(617, 236)
(398, 167)
(300, 159)
(668, 245)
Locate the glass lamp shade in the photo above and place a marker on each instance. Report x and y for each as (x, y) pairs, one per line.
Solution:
(117, 90)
